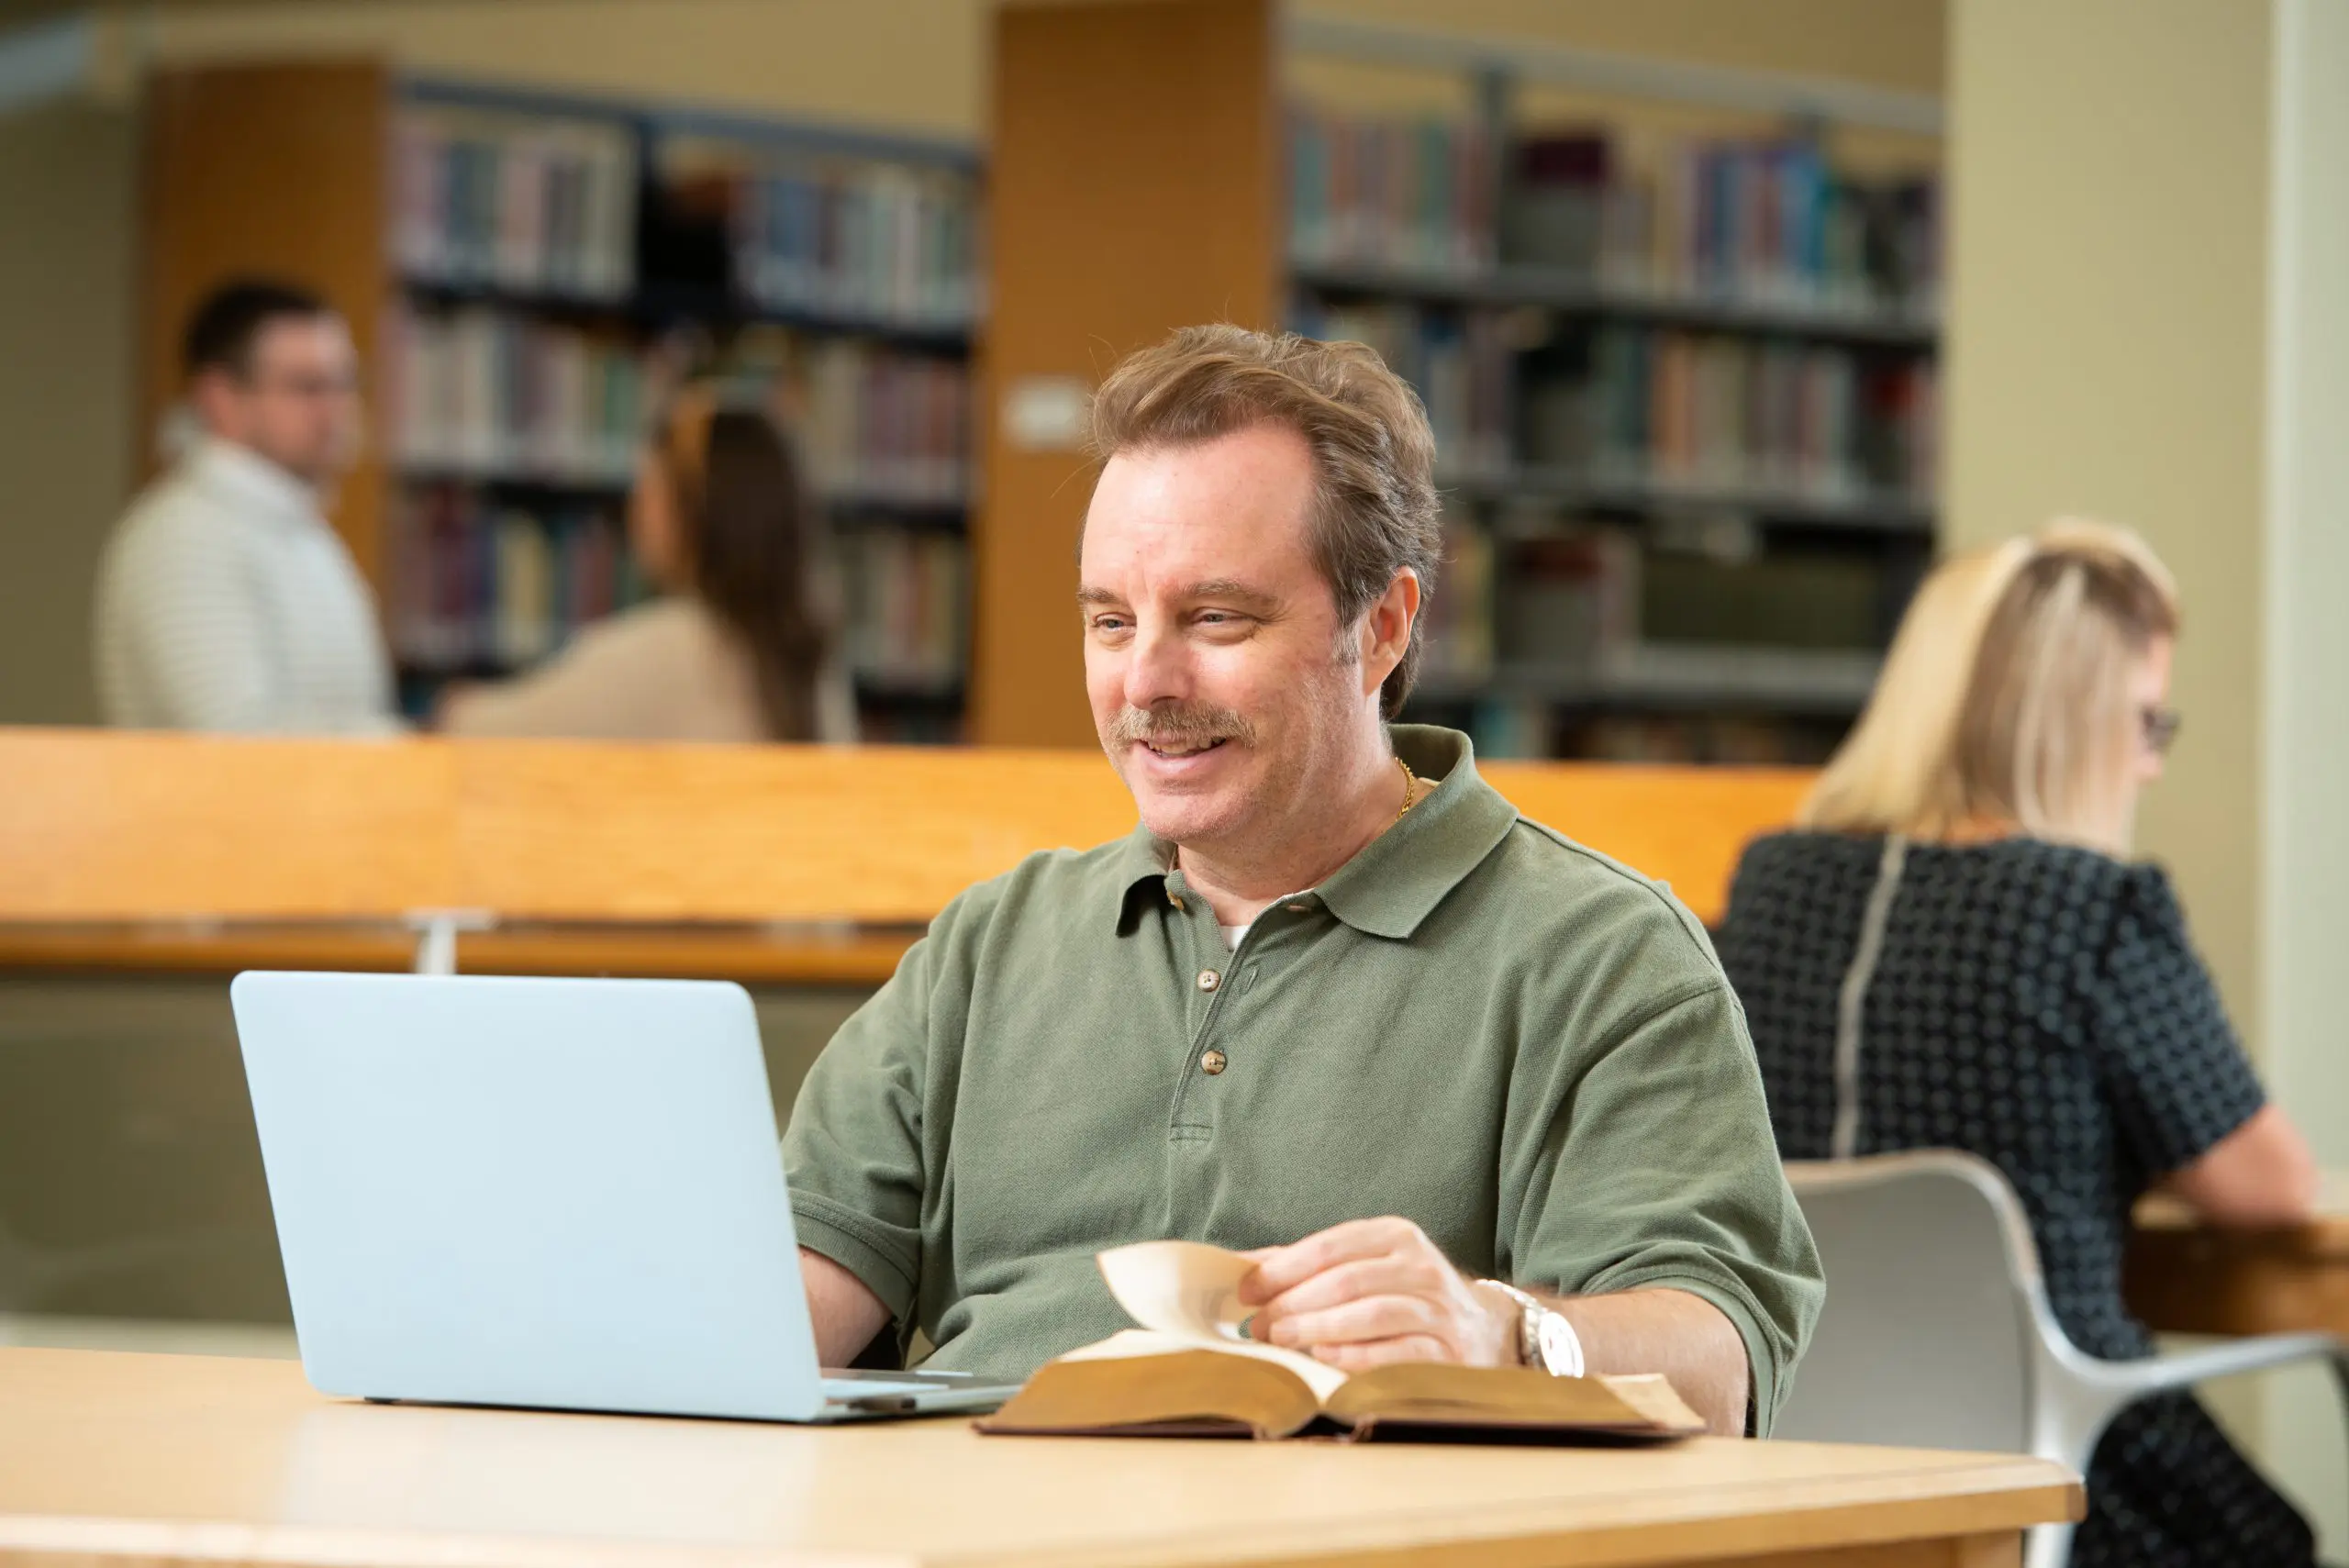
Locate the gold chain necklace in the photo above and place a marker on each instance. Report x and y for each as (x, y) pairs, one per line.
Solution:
(1410, 789)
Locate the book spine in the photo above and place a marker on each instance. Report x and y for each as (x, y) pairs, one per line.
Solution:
(524, 202)
(495, 396)
(906, 591)
(494, 587)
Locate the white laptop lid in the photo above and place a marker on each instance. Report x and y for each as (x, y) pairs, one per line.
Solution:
(556, 1193)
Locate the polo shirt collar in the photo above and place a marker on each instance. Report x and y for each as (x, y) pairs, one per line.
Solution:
(1144, 861)
(1400, 876)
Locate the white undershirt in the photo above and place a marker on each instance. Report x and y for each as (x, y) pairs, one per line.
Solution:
(1234, 934)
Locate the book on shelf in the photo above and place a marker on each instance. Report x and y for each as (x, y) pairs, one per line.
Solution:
(485, 391)
(1457, 360)
(1533, 728)
(1515, 728)
(1589, 610)
(1719, 739)
(1638, 404)
(478, 587)
(817, 233)
(1767, 222)
(1558, 197)
(1415, 195)
(1596, 601)
(1568, 599)
(883, 425)
(908, 597)
(1807, 601)
(1458, 611)
(1190, 1372)
(515, 200)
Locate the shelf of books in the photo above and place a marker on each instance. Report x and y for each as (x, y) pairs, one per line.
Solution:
(1684, 397)
(563, 262)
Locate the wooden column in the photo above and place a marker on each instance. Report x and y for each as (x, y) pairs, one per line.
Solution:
(279, 171)
(1133, 187)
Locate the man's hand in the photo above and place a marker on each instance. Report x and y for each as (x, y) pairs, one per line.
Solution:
(1373, 1291)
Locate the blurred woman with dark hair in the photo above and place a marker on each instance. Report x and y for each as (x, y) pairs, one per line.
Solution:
(735, 649)
(1958, 952)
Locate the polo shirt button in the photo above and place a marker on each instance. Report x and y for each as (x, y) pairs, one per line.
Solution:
(1213, 1061)
(1210, 980)
(1299, 909)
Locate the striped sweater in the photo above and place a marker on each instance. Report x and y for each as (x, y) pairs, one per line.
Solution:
(225, 602)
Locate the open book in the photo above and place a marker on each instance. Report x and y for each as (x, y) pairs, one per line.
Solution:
(1189, 1371)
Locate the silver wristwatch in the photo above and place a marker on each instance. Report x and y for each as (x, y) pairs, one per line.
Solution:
(1545, 1341)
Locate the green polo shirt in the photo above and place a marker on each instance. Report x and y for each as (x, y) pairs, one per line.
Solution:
(1477, 1024)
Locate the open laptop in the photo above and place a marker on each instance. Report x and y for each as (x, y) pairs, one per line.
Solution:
(555, 1193)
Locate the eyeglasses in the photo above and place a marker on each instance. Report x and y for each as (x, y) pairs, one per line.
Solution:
(2161, 728)
(309, 388)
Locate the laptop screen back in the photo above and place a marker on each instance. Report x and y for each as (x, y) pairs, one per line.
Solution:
(557, 1192)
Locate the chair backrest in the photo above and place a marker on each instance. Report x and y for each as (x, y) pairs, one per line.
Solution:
(1927, 1337)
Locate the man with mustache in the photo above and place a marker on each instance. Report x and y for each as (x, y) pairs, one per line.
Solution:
(1472, 1091)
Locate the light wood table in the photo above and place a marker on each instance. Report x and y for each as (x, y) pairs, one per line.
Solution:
(2185, 1277)
(107, 1458)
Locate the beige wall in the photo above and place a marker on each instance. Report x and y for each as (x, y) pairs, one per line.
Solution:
(2108, 274)
(65, 279)
(2307, 564)
(902, 64)
(2149, 321)
(919, 64)
(2306, 913)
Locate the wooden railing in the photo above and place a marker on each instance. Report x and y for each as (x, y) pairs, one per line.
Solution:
(787, 863)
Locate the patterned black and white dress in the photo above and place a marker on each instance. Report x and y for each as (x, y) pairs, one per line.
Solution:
(2038, 1006)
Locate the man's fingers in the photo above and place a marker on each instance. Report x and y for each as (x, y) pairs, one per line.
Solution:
(1283, 1268)
(1358, 1321)
(1362, 1357)
(1385, 1274)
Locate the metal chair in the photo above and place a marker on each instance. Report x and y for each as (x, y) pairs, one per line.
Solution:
(1937, 1332)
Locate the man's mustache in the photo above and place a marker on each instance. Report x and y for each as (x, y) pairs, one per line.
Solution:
(1179, 724)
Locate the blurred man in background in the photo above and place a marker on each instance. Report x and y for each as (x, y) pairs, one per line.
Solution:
(226, 601)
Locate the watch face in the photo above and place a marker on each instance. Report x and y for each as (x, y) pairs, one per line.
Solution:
(1560, 1348)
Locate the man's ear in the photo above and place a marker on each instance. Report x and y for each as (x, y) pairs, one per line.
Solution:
(1387, 629)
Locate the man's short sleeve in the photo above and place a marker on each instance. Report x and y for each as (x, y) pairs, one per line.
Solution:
(1646, 1161)
(854, 1151)
(2177, 1078)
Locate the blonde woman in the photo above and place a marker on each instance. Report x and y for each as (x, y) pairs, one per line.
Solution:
(2020, 989)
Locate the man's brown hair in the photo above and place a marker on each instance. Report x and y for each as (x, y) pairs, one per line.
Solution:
(1374, 510)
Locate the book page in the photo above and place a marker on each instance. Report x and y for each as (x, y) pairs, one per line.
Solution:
(1186, 1296)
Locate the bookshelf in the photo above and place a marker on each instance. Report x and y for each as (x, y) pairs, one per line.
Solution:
(1684, 388)
(1683, 385)
(526, 274)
